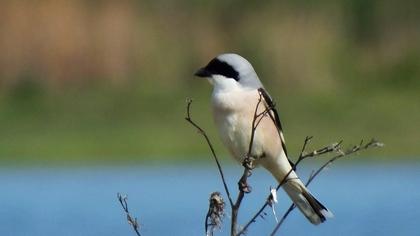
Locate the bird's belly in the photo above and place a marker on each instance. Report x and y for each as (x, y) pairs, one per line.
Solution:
(235, 133)
(233, 114)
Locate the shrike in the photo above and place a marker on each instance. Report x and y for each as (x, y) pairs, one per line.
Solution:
(236, 93)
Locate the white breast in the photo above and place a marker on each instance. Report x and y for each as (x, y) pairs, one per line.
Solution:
(233, 114)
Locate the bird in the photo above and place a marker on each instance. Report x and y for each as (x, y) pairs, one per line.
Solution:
(237, 90)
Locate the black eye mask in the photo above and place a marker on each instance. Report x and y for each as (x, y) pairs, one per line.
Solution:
(217, 67)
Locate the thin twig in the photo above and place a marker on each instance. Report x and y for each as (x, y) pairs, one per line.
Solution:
(203, 133)
(132, 221)
(373, 143)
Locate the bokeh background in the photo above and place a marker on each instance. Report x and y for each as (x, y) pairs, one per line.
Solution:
(106, 81)
(93, 99)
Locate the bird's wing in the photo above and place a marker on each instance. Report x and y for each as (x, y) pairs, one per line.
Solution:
(275, 118)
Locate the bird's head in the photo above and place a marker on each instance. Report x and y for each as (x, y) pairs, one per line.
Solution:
(230, 71)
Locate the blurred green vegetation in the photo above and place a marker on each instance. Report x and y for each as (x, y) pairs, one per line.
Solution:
(106, 81)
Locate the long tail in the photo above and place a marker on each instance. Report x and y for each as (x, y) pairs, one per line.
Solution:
(313, 210)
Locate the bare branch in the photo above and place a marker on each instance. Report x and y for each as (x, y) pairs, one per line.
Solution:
(302, 156)
(334, 147)
(132, 221)
(373, 143)
(357, 148)
(203, 133)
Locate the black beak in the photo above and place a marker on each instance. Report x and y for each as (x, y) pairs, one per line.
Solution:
(203, 73)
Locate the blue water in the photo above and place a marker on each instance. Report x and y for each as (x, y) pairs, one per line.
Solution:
(366, 200)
